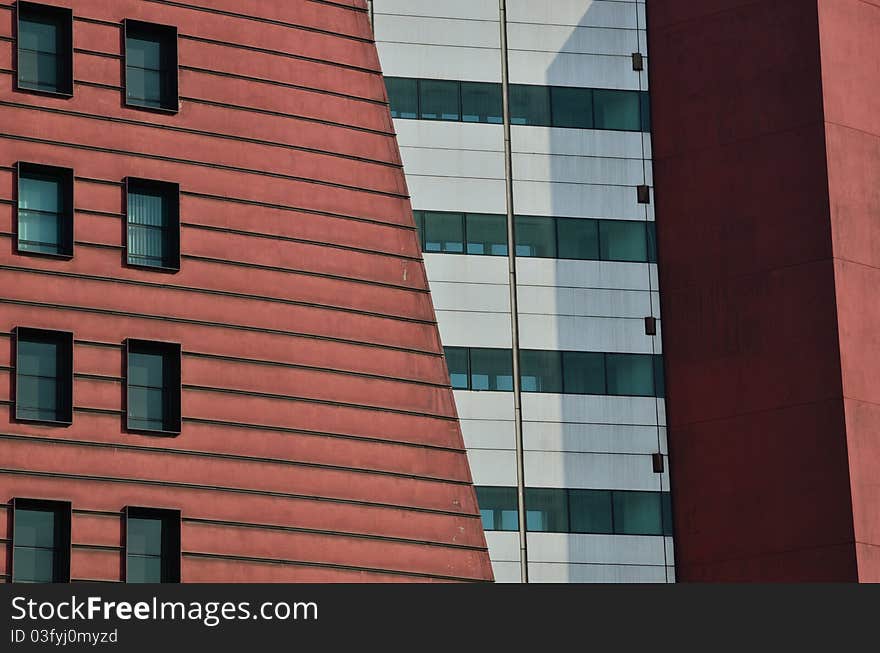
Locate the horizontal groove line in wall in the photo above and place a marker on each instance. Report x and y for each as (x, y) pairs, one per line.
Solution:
(326, 565)
(200, 132)
(97, 547)
(202, 164)
(216, 325)
(572, 451)
(233, 490)
(219, 293)
(543, 314)
(226, 456)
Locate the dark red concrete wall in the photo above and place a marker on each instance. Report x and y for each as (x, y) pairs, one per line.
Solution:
(761, 442)
(320, 440)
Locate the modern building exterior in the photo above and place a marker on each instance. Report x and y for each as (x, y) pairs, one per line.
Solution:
(220, 357)
(582, 433)
(767, 150)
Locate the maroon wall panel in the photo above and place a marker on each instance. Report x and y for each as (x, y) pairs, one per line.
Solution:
(759, 432)
(320, 440)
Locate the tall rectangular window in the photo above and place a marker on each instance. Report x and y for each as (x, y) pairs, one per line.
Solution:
(151, 65)
(45, 210)
(45, 48)
(498, 508)
(152, 545)
(40, 541)
(153, 224)
(43, 375)
(153, 386)
(403, 96)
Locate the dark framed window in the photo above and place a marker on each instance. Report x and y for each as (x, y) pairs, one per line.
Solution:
(535, 236)
(630, 375)
(45, 49)
(546, 510)
(403, 96)
(457, 360)
(439, 100)
(590, 511)
(481, 102)
(498, 508)
(40, 541)
(153, 386)
(572, 107)
(578, 239)
(153, 215)
(444, 232)
(638, 513)
(151, 65)
(583, 373)
(540, 371)
(43, 376)
(486, 234)
(530, 105)
(152, 545)
(491, 369)
(617, 110)
(45, 210)
(623, 240)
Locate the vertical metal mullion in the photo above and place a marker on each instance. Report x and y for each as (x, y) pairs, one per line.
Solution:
(514, 312)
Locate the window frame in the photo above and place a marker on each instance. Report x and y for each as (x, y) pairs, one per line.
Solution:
(64, 15)
(172, 422)
(67, 179)
(64, 509)
(171, 539)
(161, 31)
(65, 375)
(171, 190)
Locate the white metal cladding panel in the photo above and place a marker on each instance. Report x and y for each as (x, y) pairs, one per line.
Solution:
(503, 545)
(560, 572)
(468, 329)
(549, 300)
(581, 70)
(467, 269)
(475, 164)
(450, 135)
(506, 572)
(484, 405)
(578, 142)
(599, 549)
(579, 169)
(493, 467)
(592, 471)
(461, 194)
(468, 9)
(439, 62)
(618, 335)
(571, 39)
(584, 274)
(583, 200)
(586, 13)
(593, 438)
(589, 409)
(461, 296)
(489, 434)
(450, 32)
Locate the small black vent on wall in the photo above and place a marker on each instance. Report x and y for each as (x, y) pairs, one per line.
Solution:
(650, 326)
(644, 194)
(657, 459)
(638, 61)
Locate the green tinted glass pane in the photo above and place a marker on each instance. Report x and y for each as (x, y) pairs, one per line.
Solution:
(572, 107)
(616, 110)
(590, 511)
(492, 369)
(546, 510)
(419, 219)
(637, 513)
(652, 242)
(144, 86)
(622, 240)
(38, 71)
(498, 508)
(444, 232)
(146, 369)
(645, 108)
(33, 565)
(146, 408)
(38, 192)
(38, 34)
(37, 357)
(403, 95)
(37, 398)
(578, 239)
(630, 374)
(143, 53)
(40, 232)
(439, 100)
(666, 509)
(535, 237)
(144, 536)
(481, 102)
(584, 372)
(486, 234)
(457, 362)
(144, 569)
(529, 105)
(35, 528)
(659, 377)
(540, 371)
